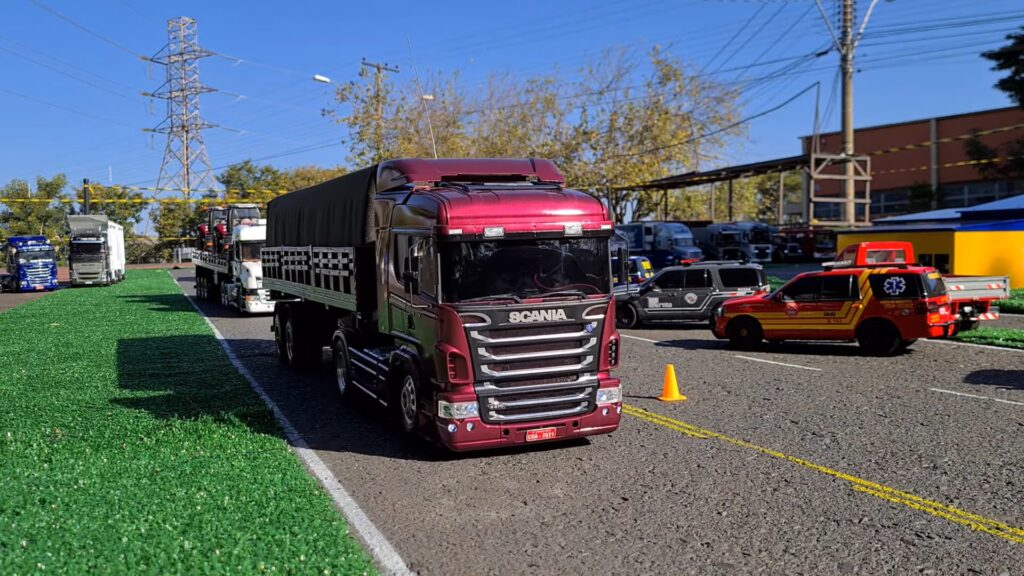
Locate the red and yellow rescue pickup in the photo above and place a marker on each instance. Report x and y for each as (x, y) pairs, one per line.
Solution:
(873, 293)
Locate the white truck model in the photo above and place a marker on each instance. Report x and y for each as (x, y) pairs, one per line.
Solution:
(235, 274)
(96, 255)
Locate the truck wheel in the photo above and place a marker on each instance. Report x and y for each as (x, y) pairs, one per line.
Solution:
(342, 367)
(201, 287)
(405, 400)
(626, 315)
(744, 332)
(280, 315)
(879, 338)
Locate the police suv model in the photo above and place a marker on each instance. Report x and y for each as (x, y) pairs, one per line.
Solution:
(687, 292)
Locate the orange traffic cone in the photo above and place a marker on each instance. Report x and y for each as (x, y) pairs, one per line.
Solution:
(670, 389)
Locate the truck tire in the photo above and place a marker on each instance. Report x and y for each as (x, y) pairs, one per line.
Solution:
(626, 315)
(300, 341)
(342, 366)
(405, 399)
(280, 314)
(879, 338)
(200, 287)
(744, 332)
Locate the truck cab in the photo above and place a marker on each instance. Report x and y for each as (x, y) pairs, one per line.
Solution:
(31, 264)
(873, 293)
(244, 288)
(663, 243)
(720, 241)
(755, 241)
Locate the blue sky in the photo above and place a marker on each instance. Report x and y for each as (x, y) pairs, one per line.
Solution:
(69, 99)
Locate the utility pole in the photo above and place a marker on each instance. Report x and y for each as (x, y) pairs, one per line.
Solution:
(846, 65)
(86, 195)
(378, 98)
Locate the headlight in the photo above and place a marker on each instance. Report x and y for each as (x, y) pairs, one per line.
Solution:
(609, 395)
(457, 410)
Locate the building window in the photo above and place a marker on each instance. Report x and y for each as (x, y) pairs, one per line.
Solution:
(965, 195)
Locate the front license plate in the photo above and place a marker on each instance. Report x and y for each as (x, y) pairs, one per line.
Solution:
(541, 434)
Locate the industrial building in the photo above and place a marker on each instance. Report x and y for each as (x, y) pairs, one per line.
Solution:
(928, 155)
(982, 240)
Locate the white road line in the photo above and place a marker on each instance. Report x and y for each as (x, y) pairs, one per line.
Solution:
(977, 396)
(777, 363)
(960, 343)
(387, 557)
(642, 339)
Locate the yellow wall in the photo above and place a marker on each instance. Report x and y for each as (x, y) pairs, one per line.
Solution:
(971, 253)
(991, 254)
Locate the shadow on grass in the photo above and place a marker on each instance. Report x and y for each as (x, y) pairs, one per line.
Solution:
(178, 303)
(1009, 379)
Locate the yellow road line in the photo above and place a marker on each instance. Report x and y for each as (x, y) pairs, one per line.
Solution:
(938, 509)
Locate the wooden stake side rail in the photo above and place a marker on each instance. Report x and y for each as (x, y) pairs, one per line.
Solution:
(321, 274)
(218, 262)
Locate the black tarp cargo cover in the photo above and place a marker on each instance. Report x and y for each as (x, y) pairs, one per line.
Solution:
(333, 213)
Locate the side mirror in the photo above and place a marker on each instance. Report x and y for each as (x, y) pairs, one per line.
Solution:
(411, 283)
(410, 274)
(623, 271)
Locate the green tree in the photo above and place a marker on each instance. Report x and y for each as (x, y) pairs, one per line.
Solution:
(613, 128)
(1007, 160)
(247, 182)
(306, 176)
(42, 211)
(122, 205)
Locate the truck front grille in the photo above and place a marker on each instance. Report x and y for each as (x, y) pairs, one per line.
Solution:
(536, 372)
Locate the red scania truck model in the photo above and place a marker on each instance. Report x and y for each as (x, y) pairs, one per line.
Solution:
(470, 297)
(873, 293)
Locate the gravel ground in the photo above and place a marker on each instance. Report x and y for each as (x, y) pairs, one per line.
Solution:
(648, 499)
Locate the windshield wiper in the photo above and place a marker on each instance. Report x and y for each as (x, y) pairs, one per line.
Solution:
(508, 296)
(569, 292)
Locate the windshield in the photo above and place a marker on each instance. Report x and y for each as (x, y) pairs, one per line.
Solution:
(523, 268)
(250, 250)
(240, 214)
(682, 242)
(34, 256)
(760, 237)
(933, 284)
(729, 239)
(86, 250)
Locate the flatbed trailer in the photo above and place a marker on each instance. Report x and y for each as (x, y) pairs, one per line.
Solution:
(975, 297)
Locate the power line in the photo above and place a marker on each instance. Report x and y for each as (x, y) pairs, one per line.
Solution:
(65, 108)
(67, 74)
(106, 39)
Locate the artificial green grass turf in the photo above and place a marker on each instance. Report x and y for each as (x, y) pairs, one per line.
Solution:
(130, 444)
(1015, 304)
(1005, 337)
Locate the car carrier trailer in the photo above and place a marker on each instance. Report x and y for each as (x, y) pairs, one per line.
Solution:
(472, 298)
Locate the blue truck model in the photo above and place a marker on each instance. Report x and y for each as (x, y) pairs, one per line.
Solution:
(31, 264)
(664, 243)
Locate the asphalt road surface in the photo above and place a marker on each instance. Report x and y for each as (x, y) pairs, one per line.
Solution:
(793, 459)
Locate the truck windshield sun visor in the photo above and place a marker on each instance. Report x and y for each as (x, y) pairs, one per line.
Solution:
(530, 268)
